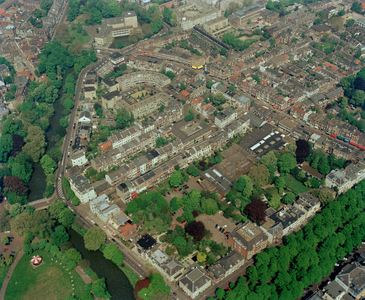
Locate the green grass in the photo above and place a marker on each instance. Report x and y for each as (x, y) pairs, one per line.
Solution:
(272, 190)
(80, 37)
(79, 228)
(131, 275)
(295, 185)
(3, 272)
(48, 281)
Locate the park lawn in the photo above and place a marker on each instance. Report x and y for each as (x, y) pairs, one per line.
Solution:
(3, 272)
(132, 276)
(49, 281)
(295, 185)
(80, 37)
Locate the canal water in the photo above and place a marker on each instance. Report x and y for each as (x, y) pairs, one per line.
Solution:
(117, 283)
(37, 183)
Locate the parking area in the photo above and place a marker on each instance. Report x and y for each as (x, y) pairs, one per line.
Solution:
(192, 184)
(218, 219)
(15, 243)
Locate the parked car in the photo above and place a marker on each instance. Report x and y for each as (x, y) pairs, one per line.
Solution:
(216, 225)
(114, 240)
(180, 190)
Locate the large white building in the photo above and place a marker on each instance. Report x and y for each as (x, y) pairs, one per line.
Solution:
(115, 27)
(82, 188)
(79, 158)
(103, 208)
(345, 179)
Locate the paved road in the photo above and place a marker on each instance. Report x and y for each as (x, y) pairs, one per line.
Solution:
(10, 272)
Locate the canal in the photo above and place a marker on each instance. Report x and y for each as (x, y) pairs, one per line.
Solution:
(117, 283)
(37, 183)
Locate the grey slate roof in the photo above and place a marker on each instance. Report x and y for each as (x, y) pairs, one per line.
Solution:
(194, 280)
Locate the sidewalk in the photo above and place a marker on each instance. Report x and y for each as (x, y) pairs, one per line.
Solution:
(10, 272)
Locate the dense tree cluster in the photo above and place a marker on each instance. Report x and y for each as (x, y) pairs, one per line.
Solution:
(96, 10)
(354, 88)
(150, 207)
(236, 43)
(319, 161)
(307, 256)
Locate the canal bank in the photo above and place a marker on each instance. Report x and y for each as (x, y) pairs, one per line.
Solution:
(117, 282)
(37, 183)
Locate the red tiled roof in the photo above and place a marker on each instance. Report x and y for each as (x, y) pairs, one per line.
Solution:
(358, 60)
(318, 68)
(127, 228)
(206, 106)
(196, 101)
(185, 93)
(235, 67)
(1, 11)
(330, 65)
(286, 56)
(105, 145)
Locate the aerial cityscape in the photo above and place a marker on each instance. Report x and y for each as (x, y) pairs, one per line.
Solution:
(157, 150)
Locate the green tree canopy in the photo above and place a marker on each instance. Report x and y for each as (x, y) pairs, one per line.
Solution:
(73, 255)
(209, 206)
(94, 238)
(175, 179)
(59, 236)
(193, 171)
(286, 163)
(68, 103)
